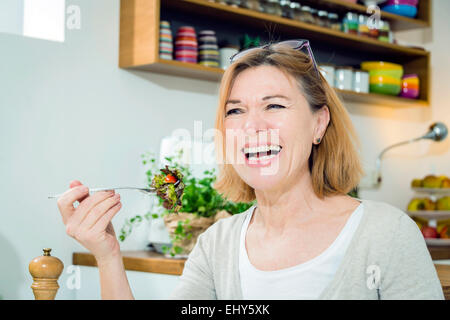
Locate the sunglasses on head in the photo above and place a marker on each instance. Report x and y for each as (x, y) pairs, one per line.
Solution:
(294, 44)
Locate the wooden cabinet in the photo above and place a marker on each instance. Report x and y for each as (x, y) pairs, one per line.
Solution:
(139, 40)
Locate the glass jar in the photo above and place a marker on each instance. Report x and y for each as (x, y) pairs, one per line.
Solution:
(350, 23)
(374, 31)
(251, 4)
(333, 19)
(322, 18)
(306, 15)
(360, 81)
(328, 71)
(296, 11)
(384, 31)
(363, 28)
(343, 78)
(272, 7)
(314, 14)
(234, 3)
(286, 9)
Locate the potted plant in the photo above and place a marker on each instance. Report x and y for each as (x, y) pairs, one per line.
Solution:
(202, 206)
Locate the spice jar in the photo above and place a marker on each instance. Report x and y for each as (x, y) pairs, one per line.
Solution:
(306, 15)
(251, 4)
(272, 7)
(374, 29)
(314, 14)
(384, 31)
(360, 81)
(286, 10)
(328, 71)
(234, 3)
(350, 23)
(322, 18)
(363, 28)
(296, 11)
(343, 78)
(333, 20)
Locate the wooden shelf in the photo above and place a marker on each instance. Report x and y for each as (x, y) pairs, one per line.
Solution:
(380, 99)
(196, 71)
(182, 69)
(144, 261)
(310, 31)
(139, 42)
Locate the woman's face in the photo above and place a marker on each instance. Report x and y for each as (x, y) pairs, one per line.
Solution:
(269, 128)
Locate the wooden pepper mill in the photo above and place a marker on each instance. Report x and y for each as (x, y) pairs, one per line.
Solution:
(45, 271)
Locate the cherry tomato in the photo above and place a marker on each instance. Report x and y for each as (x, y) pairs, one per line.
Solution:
(170, 179)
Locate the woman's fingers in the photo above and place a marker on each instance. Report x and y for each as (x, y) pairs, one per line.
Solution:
(66, 201)
(87, 204)
(76, 183)
(98, 211)
(103, 222)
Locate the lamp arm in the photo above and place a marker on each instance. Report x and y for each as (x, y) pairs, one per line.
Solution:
(378, 161)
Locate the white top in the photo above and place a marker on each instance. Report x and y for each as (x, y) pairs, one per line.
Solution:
(303, 281)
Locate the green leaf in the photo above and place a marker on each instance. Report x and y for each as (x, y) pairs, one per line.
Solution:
(178, 249)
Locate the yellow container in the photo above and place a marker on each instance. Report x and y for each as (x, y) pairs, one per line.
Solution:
(385, 80)
(380, 65)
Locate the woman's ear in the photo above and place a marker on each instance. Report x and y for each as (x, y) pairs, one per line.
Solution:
(322, 120)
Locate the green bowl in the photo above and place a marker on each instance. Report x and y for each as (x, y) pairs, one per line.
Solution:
(390, 73)
(389, 89)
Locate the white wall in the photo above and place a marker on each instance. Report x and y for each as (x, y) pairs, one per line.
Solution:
(68, 112)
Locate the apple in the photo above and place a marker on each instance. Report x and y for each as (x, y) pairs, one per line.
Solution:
(429, 232)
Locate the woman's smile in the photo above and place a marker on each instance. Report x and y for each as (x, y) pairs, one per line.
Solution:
(262, 155)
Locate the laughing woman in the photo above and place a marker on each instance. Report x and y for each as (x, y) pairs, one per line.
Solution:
(305, 238)
(288, 143)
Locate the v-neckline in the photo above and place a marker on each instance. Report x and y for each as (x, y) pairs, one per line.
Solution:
(341, 269)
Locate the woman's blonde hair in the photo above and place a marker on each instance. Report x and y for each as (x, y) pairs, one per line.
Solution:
(334, 164)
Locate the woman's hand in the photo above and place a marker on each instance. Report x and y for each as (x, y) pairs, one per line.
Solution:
(90, 222)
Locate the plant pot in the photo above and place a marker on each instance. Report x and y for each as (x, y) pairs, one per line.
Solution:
(195, 226)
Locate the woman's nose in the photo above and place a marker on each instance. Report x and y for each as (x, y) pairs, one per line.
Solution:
(254, 123)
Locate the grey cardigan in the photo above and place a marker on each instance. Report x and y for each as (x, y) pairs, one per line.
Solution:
(387, 259)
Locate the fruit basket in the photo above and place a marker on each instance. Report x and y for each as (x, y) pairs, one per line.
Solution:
(430, 209)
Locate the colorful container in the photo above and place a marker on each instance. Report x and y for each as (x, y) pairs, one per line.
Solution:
(165, 41)
(186, 45)
(384, 77)
(208, 53)
(410, 86)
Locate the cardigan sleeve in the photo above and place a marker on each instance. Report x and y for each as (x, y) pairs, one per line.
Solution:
(410, 273)
(196, 281)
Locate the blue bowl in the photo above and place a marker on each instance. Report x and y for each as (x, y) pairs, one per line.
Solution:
(401, 9)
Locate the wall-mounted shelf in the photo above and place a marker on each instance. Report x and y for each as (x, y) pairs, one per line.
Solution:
(139, 41)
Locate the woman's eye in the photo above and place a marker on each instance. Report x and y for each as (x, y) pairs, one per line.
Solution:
(275, 106)
(233, 111)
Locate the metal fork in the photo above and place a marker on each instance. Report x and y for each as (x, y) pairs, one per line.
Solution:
(143, 190)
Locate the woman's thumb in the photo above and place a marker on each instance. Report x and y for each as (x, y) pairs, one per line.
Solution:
(75, 183)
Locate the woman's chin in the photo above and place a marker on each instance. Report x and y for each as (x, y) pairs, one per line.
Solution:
(262, 182)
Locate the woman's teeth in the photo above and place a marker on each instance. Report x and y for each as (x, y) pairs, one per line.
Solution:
(262, 152)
